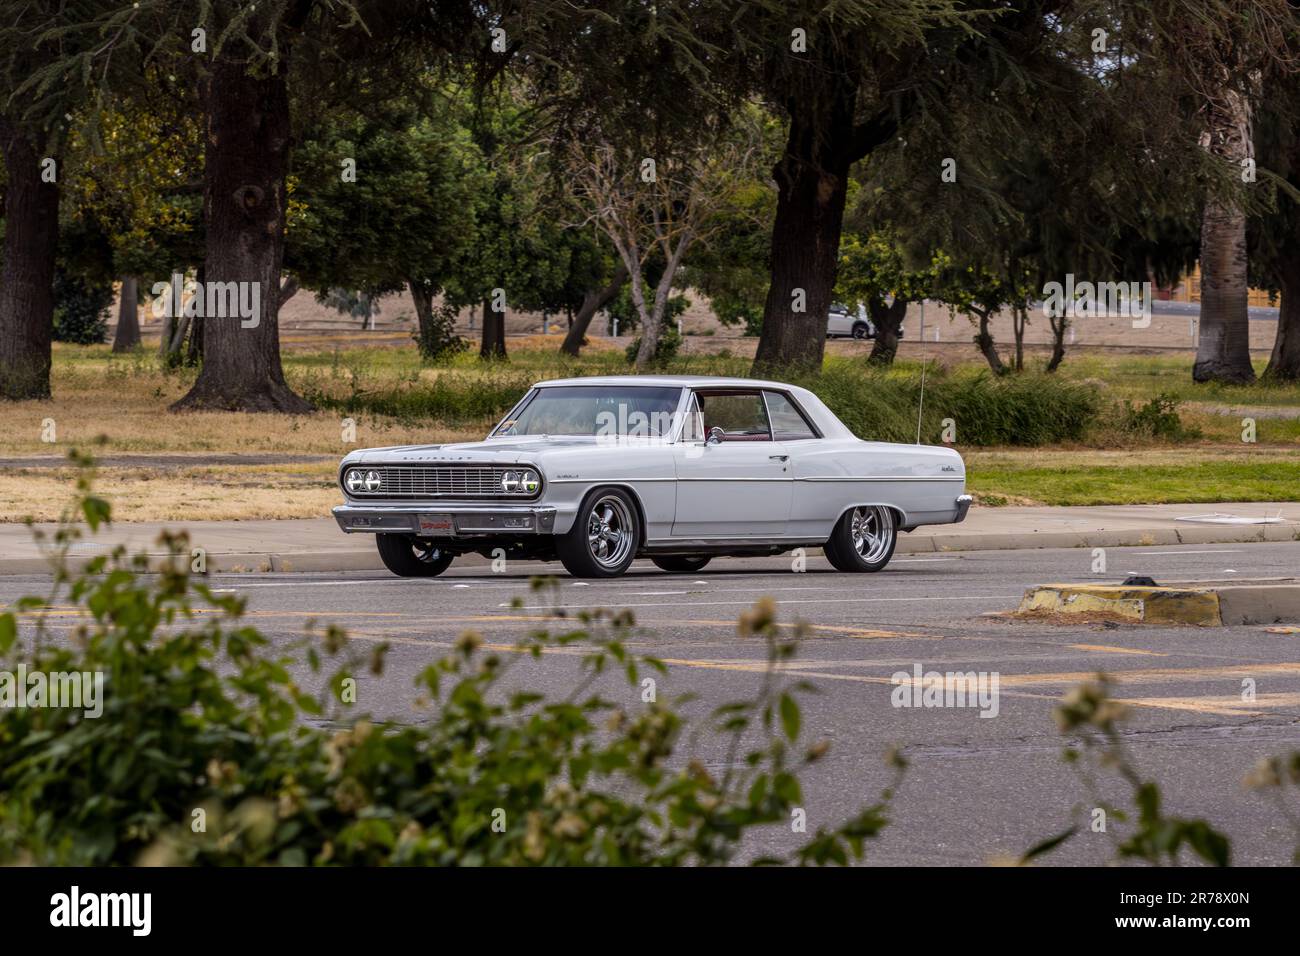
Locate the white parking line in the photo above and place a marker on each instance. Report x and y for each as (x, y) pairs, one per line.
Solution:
(956, 597)
(1237, 551)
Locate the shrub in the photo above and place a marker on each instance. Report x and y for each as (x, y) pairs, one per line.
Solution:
(80, 308)
(437, 339)
(1157, 418)
(209, 749)
(666, 349)
(882, 405)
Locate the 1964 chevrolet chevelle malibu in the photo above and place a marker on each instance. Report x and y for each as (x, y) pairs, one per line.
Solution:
(679, 469)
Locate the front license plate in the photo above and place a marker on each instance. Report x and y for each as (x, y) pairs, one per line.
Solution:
(436, 525)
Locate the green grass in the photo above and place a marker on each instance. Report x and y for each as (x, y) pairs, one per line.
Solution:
(1270, 479)
(1141, 377)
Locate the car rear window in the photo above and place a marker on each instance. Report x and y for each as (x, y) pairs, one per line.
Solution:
(787, 421)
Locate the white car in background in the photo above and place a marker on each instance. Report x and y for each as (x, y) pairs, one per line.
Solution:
(841, 323)
(678, 469)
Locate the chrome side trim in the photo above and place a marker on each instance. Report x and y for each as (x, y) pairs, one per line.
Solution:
(885, 478)
(652, 543)
(596, 481)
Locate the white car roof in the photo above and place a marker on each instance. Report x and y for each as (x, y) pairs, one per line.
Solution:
(823, 417)
(678, 381)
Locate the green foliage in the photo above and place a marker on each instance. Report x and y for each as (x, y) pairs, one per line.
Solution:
(621, 307)
(872, 268)
(1153, 836)
(1157, 418)
(406, 215)
(436, 336)
(80, 308)
(882, 405)
(211, 750)
(454, 397)
(665, 349)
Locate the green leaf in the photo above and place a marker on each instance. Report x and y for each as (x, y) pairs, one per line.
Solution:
(790, 716)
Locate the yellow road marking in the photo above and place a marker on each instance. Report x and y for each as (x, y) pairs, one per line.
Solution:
(1108, 649)
(1221, 706)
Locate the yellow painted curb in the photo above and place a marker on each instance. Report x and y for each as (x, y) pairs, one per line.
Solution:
(1198, 607)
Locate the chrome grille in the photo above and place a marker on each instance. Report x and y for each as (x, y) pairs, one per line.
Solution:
(441, 481)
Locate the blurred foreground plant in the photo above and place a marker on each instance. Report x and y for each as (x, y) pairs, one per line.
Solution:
(1155, 836)
(209, 750)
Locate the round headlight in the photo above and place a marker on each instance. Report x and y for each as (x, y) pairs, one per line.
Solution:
(529, 482)
(372, 481)
(510, 482)
(354, 480)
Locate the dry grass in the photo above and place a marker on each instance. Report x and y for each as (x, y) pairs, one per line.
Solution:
(124, 404)
(177, 494)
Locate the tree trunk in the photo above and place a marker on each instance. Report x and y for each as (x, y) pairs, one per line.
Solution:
(653, 325)
(288, 289)
(592, 302)
(194, 348)
(812, 184)
(984, 342)
(423, 299)
(27, 281)
(1284, 363)
(127, 334)
(1019, 319)
(246, 159)
(1224, 352)
(888, 320)
(649, 327)
(1059, 324)
(494, 333)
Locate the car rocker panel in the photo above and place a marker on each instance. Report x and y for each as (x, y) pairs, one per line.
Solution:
(676, 468)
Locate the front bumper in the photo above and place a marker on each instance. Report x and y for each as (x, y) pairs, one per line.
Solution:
(444, 520)
(963, 506)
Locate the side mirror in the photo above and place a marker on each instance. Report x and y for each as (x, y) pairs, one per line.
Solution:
(716, 435)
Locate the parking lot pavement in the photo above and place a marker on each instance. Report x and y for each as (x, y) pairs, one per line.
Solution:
(317, 544)
(977, 789)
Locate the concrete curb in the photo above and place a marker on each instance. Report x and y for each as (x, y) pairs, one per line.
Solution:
(1120, 538)
(366, 558)
(1266, 601)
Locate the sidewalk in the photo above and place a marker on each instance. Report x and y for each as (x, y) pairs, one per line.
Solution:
(317, 544)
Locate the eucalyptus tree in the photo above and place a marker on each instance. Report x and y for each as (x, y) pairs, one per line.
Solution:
(1275, 235)
(1218, 52)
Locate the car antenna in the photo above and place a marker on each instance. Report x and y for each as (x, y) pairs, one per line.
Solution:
(920, 405)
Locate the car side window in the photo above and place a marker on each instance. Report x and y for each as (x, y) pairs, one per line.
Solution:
(787, 421)
(742, 416)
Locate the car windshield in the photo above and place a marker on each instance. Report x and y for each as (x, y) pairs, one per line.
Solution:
(616, 411)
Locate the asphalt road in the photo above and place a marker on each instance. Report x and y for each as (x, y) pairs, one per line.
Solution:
(977, 789)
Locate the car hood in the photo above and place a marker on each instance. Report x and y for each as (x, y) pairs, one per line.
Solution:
(528, 448)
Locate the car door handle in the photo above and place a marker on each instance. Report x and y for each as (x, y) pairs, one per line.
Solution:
(778, 457)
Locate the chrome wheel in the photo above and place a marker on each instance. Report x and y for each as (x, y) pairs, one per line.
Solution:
(611, 531)
(426, 551)
(872, 531)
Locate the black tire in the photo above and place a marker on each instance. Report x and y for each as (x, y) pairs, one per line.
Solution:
(605, 535)
(861, 330)
(682, 563)
(410, 557)
(863, 539)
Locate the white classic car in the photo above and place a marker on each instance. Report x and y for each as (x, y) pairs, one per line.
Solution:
(678, 469)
